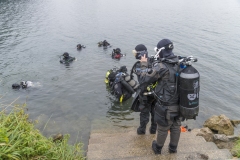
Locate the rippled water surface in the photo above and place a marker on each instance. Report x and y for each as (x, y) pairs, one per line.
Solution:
(70, 99)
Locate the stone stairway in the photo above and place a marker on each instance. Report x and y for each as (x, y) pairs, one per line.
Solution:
(125, 144)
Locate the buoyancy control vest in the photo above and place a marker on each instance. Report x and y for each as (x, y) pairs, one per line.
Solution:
(166, 108)
(67, 60)
(166, 90)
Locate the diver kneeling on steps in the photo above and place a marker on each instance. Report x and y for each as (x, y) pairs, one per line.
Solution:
(66, 58)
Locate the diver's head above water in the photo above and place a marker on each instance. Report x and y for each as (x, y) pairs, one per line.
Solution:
(66, 55)
(15, 86)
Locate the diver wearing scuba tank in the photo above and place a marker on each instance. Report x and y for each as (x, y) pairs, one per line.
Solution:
(103, 43)
(66, 58)
(143, 103)
(167, 106)
(177, 93)
(121, 86)
(79, 46)
(26, 84)
(116, 53)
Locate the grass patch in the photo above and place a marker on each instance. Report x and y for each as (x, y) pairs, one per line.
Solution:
(19, 140)
(236, 149)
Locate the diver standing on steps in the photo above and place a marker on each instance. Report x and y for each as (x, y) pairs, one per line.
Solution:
(177, 93)
(167, 106)
(143, 103)
(165, 92)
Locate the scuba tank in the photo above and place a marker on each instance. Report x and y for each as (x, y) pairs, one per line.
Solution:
(106, 77)
(127, 85)
(131, 81)
(120, 77)
(189, 92)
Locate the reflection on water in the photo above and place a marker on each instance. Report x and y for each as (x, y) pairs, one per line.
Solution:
(119, 112)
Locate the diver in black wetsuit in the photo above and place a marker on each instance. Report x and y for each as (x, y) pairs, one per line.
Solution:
(25, 84)
(116, 53)
(67, 58)
(145, 103)
(103, 43)
(79, 46)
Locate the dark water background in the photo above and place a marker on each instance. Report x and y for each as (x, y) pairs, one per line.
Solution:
(72, 98)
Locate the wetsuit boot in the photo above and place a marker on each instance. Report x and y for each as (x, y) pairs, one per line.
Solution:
(172, 149)
(140, 131)
(152, 129)
(156, 148)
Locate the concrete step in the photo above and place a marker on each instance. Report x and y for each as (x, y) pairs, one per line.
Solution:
(106, 133)
(132, 136)
(109, 131)
(125, 144)
(222, 154)
(133, 141)
(123, 152)
(209, 154)
(113, 130)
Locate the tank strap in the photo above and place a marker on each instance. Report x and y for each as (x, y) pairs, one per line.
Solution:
(134, 85)
(173, 78)
(172, 72)
(133, 68)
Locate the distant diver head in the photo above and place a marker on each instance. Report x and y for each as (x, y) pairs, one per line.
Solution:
(139, 51)
(79, 46)
(65, 55)
(105, 42)
(15, 86)
(123, 69)
(118, 50)
(166, 47)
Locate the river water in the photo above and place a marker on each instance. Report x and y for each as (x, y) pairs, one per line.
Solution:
(70, 99)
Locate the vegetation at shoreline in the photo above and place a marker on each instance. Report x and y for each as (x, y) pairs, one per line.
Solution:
(20, 140)
(236, 149)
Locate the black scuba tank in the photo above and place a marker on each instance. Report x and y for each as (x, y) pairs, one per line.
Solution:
(189, 92)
